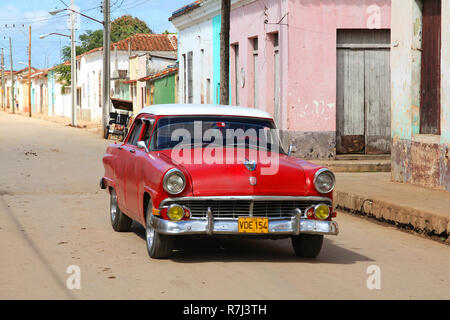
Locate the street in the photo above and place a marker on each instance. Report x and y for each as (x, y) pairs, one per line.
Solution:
(53, 215)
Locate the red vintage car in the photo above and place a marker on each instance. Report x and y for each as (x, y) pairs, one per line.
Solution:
(209, 170)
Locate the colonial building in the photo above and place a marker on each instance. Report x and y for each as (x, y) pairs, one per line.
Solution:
(162, 87)
(39, 92)
(321, 68)
(146, 65)
(420, 64)
(89, 70)
(22, 84)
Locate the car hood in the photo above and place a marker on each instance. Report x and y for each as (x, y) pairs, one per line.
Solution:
(282, 176)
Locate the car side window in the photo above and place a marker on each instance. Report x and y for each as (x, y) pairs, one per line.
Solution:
(148, 132)
(134, 136)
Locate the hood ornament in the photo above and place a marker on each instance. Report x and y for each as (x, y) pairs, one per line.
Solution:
(250, 164)
(252, 181)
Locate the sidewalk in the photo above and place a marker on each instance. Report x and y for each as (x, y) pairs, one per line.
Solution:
(373, 194)
(92, 126)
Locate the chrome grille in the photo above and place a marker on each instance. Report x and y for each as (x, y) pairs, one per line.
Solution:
(241, 208)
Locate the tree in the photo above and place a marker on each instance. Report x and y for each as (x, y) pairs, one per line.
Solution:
(91, 39)
(126, 26)
(63, 75)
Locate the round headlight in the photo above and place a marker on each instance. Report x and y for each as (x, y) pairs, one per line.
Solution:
(324, 181)
(322, 212)
(175, 212)
(174, 181)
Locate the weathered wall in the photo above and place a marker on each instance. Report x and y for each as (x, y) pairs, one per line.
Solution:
(197, 38)
(417, 158)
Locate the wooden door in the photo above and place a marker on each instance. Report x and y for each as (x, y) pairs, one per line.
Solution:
(363, 92)
(377, 101)
(430, 85)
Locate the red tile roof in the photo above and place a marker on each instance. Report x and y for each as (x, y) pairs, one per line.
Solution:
(143, 42)
(160, 74)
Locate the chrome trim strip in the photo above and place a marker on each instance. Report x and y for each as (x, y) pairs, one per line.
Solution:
(209, 222)
(249, 198)
(211, 226)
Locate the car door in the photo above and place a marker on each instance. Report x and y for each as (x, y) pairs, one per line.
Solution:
(135, 168)
(125, 183)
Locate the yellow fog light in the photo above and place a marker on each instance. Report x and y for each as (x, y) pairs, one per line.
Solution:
(175, 212)
(322, 212)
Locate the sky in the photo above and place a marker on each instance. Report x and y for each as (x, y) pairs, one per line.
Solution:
(17, 15)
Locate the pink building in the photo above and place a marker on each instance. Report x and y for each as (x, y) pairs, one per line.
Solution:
(321, 67)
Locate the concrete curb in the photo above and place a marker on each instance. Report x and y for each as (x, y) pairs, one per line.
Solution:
(355, 166)
(420, 221)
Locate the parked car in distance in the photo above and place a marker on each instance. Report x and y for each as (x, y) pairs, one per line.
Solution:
(209, 170)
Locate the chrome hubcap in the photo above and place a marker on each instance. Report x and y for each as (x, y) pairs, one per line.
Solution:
(150, 234)
(113, 206)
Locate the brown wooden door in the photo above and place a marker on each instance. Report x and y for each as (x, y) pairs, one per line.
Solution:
(430, 85)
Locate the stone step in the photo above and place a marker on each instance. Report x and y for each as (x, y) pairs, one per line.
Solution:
(363, 157)
(355, 165)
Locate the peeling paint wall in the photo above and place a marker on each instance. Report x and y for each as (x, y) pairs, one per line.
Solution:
(307, 32)
(417, 158)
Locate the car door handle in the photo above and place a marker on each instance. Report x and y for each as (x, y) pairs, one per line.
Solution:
(132, 151)
(120, 148)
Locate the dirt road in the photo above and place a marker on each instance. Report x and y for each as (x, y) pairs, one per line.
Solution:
(53, 215)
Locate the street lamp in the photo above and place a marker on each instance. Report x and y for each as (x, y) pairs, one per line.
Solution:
(42, 36)
(56, 11)
(106, 54)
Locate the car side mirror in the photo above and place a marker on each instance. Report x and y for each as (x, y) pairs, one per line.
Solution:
(142, 145)
(292, 148)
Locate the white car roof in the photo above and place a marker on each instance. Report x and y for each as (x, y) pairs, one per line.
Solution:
(203, 109)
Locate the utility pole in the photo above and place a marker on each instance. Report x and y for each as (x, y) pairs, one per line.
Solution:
(73, 64)
(3, 81)
(106, 64)
(29, 71)
(12, 76)
(225, 53)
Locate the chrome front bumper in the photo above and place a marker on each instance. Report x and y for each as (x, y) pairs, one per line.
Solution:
(211, 226)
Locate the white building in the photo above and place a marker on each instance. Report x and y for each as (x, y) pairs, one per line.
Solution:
(198, 41)
(90, 65)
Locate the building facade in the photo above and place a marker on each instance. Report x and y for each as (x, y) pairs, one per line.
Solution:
(90, 65)
(39, 92)
(162, 87)
(420, 64)
(321, 68)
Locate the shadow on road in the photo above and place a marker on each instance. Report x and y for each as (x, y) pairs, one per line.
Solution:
(198, 250)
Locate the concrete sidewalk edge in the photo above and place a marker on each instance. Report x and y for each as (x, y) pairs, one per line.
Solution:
(420, 221)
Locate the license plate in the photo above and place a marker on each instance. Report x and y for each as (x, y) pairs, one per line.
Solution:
(253, 225)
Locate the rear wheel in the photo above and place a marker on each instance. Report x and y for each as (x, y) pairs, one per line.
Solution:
(106, 132)
(307, 245)
(119, 221)
(159, 246)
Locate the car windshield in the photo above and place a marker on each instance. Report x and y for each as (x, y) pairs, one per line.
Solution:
(215, 131)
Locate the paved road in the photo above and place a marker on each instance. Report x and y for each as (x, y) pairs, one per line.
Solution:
(53, 215)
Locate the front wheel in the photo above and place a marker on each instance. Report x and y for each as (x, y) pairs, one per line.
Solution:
(159, 246)
(307, 245)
